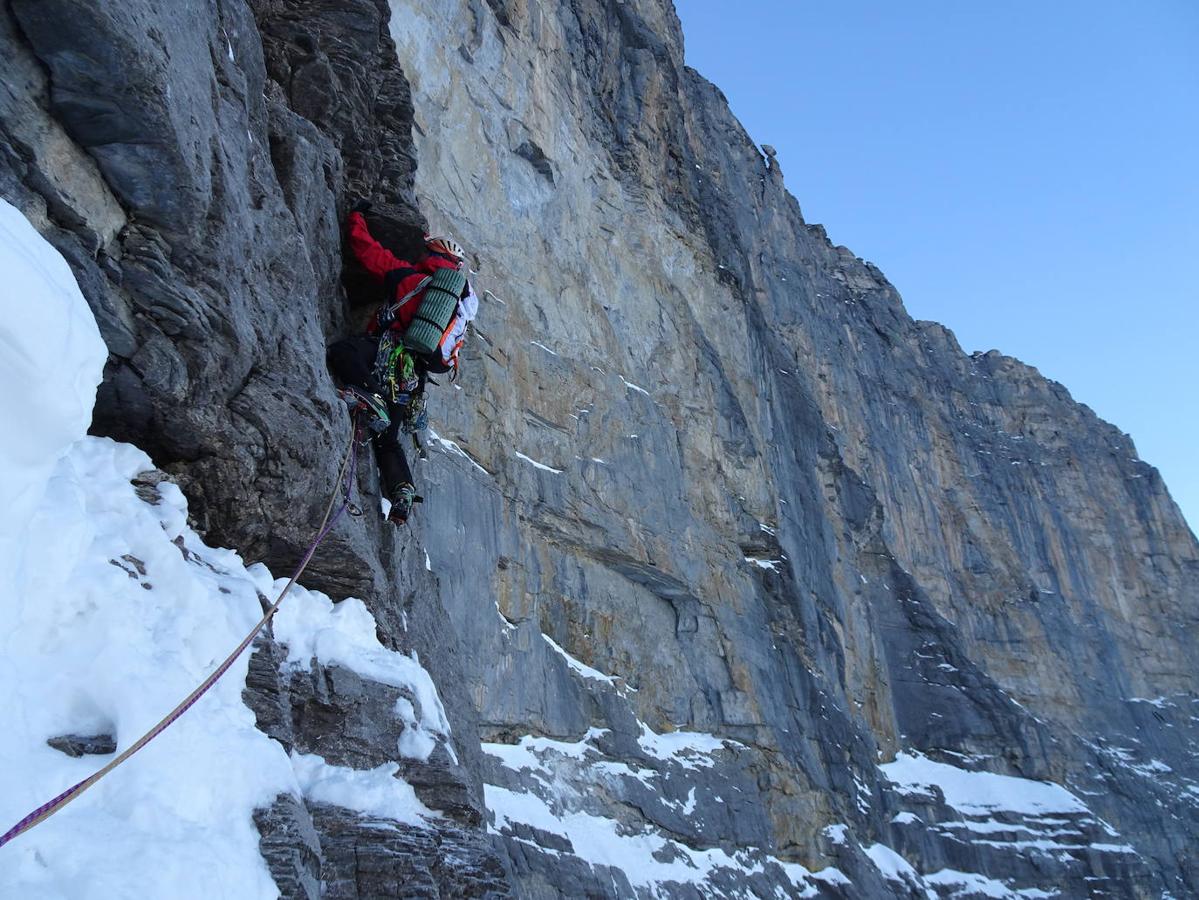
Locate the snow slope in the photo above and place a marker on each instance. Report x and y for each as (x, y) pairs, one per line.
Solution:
(980, 793)
(550, 786)
(51, 357)
(114, 610)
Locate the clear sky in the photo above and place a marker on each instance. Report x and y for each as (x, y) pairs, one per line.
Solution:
(1025, 172)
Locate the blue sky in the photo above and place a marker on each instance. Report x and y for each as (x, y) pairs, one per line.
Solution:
(1024, 172)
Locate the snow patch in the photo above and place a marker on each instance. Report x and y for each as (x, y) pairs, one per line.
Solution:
(527, 754)
(836, 834)
(373, 792)
(892, 866)
(971, 884)
(578, 667)
(344, 634)
(96, 647)
(536, 464)
(979, 793)
(1158, 702)
(633, 387)
(450, 447)
(647, 858)
(770, 565)
(51, 360)
(690, 749)
(507, 625)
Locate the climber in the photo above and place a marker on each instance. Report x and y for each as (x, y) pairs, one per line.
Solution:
(417, 331)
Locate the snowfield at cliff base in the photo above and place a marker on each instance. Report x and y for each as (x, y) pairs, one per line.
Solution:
(113, 611)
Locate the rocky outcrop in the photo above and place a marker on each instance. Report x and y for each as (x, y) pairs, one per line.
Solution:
(713, 528)
(319, 850)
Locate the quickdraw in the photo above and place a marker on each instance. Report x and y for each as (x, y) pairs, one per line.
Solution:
(395, 369)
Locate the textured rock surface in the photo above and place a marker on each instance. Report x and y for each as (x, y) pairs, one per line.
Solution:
(964, 559)
(77, 745)
(314, 849)
(702, 472)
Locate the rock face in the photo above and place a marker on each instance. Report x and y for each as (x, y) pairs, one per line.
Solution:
(714, 530)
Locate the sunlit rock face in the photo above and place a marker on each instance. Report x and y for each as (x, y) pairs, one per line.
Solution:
(701, 473)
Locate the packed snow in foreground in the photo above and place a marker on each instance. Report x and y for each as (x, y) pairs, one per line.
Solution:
(114, 610)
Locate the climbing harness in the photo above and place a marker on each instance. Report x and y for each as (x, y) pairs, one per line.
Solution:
(345, 479)
(378, 419)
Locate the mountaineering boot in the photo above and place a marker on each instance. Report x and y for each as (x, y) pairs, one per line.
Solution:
(402, 499)
(372, 406)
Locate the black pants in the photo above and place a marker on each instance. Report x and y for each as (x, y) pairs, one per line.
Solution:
(352, 362)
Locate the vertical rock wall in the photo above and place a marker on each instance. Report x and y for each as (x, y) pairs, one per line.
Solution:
(768, 500)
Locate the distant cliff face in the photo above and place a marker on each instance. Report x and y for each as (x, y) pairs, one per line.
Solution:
(702, 473)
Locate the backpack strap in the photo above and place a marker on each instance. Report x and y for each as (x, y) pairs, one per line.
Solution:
(424, 283)
(393, 279)
(391, 283)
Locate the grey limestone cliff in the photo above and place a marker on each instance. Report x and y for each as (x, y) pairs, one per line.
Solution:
(735, 580)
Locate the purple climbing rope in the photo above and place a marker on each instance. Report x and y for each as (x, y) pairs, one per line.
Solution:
(345, 483)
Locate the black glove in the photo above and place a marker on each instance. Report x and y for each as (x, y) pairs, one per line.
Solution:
(362, 206)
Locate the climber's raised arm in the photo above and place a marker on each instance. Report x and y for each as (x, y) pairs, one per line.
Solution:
(375, 258)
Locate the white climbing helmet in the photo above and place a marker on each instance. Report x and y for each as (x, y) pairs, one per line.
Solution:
(446, 247)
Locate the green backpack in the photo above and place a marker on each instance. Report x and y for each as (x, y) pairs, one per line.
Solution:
(436, 311)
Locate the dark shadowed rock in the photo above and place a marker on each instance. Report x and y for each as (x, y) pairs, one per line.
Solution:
(365, 858)
(77, 745)
(291, 848)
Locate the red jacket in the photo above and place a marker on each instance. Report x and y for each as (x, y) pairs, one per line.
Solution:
(399, 277)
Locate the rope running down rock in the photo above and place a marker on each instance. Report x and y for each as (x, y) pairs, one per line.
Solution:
(345, 480)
